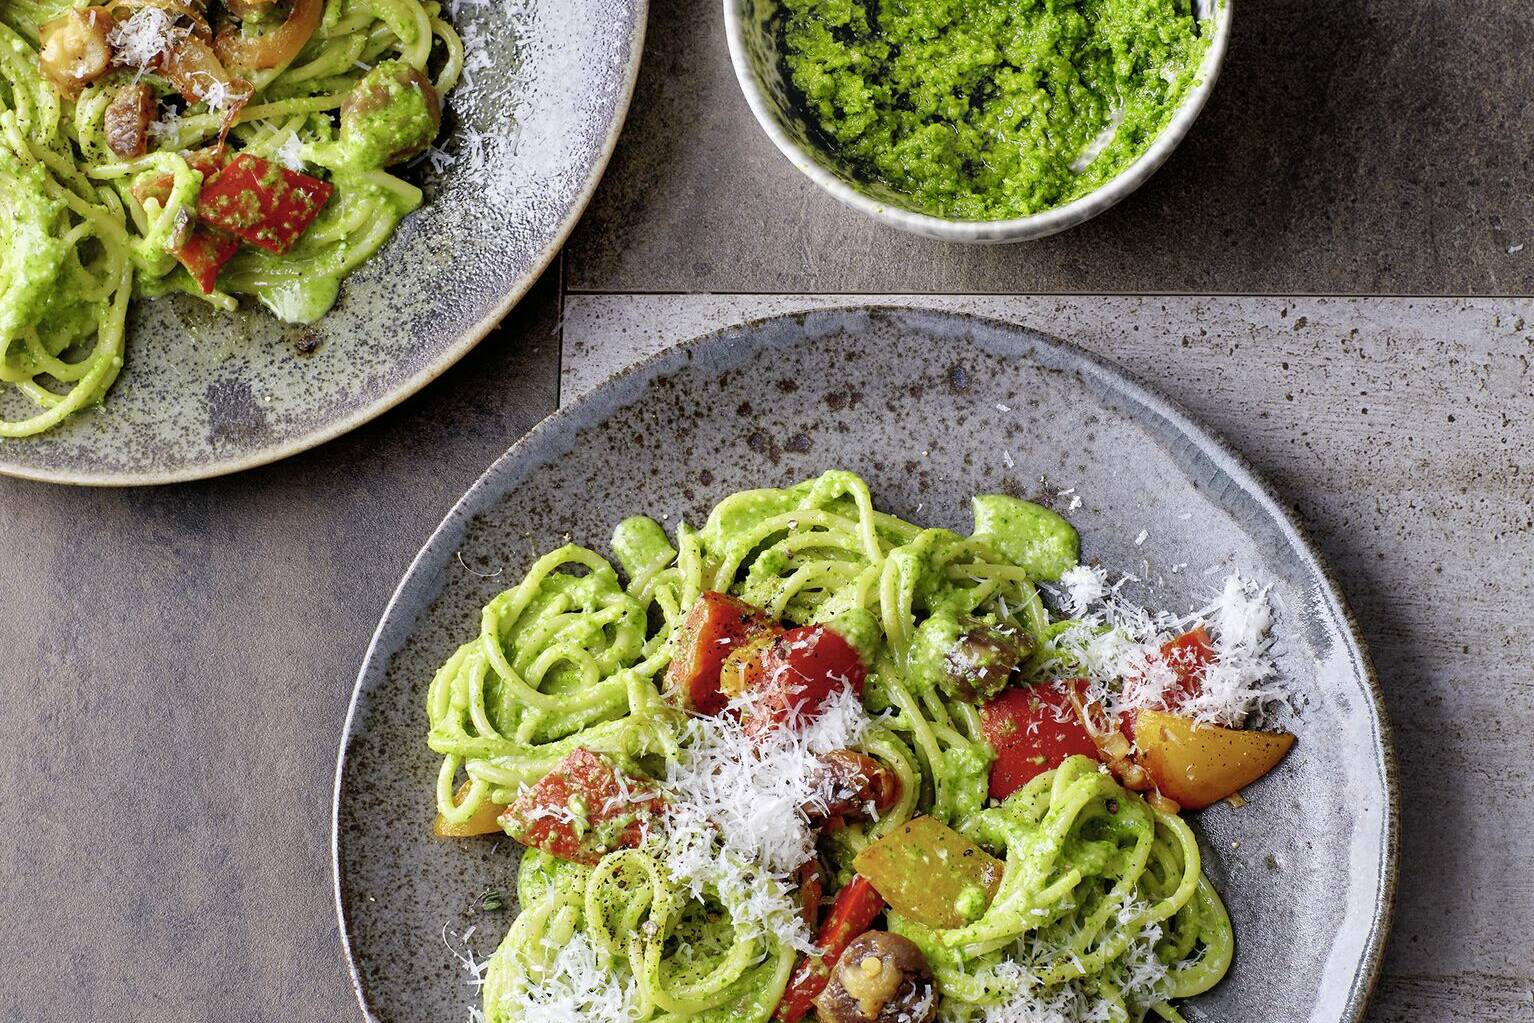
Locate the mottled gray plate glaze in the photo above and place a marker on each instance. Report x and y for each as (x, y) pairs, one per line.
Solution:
(530, 131)
(930, 408)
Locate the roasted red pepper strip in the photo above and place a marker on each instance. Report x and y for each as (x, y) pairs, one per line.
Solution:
(581, 810)
(204, 254)
(1032, 729)
(262, 203)
(205, 161)
(855, 910)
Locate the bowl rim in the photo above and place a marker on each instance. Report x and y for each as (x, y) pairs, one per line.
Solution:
(1032, 226)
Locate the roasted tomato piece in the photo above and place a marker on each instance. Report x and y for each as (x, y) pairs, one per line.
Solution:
(262, 203)
(931, 873)
(799, 671)
(483, 821)
(1188, 655)
(582, 810)
(1032, 729)
(742, 670)
(855, 909)
(855, 787)
(715, 626)
(1195, 764)
(204, 253)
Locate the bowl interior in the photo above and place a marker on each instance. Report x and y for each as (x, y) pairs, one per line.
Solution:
(754, 37)
(759, 38)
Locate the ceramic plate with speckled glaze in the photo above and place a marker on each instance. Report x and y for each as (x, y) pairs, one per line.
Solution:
(929, 408)
(529, 132)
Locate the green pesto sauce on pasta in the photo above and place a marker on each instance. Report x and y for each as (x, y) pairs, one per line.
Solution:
(1102, 898)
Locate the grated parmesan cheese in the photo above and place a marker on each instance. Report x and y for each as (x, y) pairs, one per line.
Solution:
(1139, 974)
(167, 126)
(1084, 586)
(473, 965)
(143, 38)
(575, 987)
(291, 155)
(740, 810)
(1117, 645)
(219, 96)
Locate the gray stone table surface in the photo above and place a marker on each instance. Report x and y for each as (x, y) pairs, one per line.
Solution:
(175, 663)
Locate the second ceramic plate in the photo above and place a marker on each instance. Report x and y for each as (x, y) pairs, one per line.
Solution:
(529, 132)
(930, 408)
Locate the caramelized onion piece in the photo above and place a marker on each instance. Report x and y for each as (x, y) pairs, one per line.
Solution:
(127, 120)
(197, 73)
(245, 8)
(274, 48)
(75, 51)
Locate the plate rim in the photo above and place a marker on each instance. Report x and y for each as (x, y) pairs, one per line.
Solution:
(1230, 461)
(462, 344)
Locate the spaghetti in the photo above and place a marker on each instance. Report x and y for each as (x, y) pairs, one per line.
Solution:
(1099, 908)
(87, 228)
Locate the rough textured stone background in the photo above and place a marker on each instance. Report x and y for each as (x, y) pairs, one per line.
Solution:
(175, 663)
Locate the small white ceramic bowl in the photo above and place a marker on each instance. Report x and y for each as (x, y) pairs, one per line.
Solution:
(754, 52)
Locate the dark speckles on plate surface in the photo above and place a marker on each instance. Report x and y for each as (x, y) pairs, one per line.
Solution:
(1307, 951)
(235, 416)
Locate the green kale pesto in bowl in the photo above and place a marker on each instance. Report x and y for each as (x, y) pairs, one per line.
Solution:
(977, 120)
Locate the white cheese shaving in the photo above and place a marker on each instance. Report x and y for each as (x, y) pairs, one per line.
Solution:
(1117, 645)
(739, 821)
(291, 155)
(576, 987)
(473, 965)
(143, 38)
(1139, 974)
(1084, 586)
(167, 126)
(219, 96)
(1239, 681)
